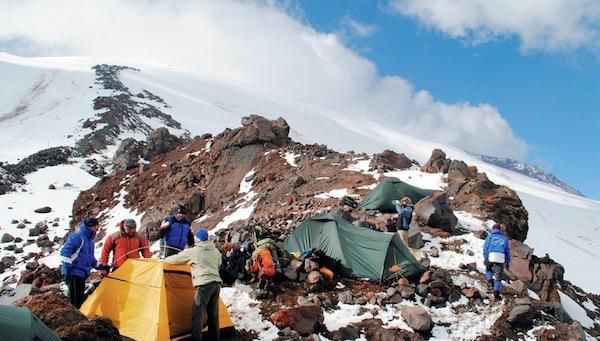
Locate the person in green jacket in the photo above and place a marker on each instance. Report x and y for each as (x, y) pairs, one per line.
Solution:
(205, 260)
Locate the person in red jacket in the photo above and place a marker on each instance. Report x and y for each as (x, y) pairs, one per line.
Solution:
(124, 244)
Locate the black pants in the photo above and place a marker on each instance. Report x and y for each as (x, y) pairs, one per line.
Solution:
(76, 290)
(206, 307)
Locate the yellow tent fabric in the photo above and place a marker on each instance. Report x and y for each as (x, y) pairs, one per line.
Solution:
(148, 300)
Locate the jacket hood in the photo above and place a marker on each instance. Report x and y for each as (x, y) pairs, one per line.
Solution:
(206, 245)
(86, 231)
(496, 231)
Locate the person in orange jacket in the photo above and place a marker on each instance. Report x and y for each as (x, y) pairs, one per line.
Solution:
(263, 265)
(124, 244)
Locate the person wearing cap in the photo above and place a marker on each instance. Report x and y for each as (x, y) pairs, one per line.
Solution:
(205, 260)
(405, 209)
(496, 256)
(125, 243)
(78, 259)
(176, 232)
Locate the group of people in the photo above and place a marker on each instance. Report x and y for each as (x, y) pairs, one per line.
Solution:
(175, 232)
(205, 259)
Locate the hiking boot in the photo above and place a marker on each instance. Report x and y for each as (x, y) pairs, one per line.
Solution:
(497, 296)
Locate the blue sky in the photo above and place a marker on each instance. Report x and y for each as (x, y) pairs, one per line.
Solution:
(550, 98)
(457, 72)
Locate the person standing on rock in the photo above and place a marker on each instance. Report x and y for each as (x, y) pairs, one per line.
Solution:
(125, 243)
(405, 209)
(78, 259)
(176, 232)
(205, 260)
(496, 256)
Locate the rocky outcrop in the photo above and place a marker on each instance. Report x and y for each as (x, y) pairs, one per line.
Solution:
(434, 211)
(44, 158)
(520, 261)
(389, 160)
(255, 130)
(546, 276)
(437, 163)
(121, 111)
(131, 152)
(127, 155)
(475, 193)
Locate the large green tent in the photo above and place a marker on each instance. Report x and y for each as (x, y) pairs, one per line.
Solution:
(380, 198)
(363, 252)
(18, 323)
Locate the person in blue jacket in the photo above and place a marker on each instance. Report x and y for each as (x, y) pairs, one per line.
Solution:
(496, 256)
(78, 259)
(176, 232)
(405, 209)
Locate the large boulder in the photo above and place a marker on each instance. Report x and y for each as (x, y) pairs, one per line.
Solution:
(437, 163)
(159, 142)
(475, 193)
(257, 129)
(303, 319)
(546, 276)
(128, 154)
(434, 211)
(520, 263)
(390, 160)
(417, 318)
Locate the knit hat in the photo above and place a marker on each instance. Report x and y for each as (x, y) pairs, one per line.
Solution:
(201, 235)
(181, 210)
(497, 226)
(129, 224)
(90, 221)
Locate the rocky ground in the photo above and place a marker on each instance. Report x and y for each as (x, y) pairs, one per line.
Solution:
(255, 175)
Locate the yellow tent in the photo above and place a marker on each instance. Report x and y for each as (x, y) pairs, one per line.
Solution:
(148, 300)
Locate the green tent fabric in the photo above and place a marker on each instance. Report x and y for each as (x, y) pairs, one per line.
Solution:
(380, 198)
(364, 252)
(18, 323)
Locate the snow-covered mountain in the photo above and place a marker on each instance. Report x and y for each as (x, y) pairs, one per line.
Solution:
(529, 170)
(50, 102)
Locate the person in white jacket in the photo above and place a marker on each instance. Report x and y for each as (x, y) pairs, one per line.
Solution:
(205, 260)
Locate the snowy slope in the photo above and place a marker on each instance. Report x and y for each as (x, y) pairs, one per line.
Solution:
(47, 99)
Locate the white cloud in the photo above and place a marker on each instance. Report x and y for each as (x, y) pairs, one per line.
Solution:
(258, 44)
(551, 25)
(358, 28)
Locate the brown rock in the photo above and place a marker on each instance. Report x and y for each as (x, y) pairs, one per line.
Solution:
(302, 319)
(437, 163)
(417, 318)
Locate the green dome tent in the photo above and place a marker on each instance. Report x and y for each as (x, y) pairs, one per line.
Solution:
(380, 198)
(362, 251)
(18, 323)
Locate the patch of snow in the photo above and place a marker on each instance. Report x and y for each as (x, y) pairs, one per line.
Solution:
(243, 212)
(323, 178)
(246, 186)
(290, 158)
(589, 305)
(347, 314)
(362, 166)
(415, 177)
(336, 193)
(245, 312)
(574, 310)
(533, 294)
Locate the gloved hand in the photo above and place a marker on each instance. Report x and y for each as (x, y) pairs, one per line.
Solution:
(103, 267)
(395, 202)
(103, 273)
